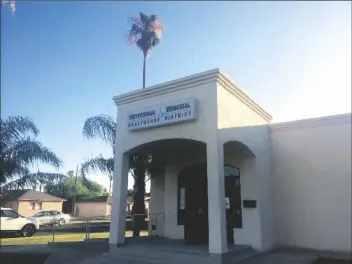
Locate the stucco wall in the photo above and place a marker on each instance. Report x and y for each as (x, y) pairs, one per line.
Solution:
(249, 234)
(23, 207)
(232, 112)
(204, 93)
(91, 209)
(156, 204)
(312, 175)
(256, 183)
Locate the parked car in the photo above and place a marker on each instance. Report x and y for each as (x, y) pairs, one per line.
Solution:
(12, 222)
(51, 217)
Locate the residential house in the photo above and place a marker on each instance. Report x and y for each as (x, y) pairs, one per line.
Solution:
(30, 202)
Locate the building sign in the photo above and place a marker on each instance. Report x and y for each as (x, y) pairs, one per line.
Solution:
(161, 115)
(227, 203)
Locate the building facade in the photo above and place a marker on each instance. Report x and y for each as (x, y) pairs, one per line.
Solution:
(227, 175)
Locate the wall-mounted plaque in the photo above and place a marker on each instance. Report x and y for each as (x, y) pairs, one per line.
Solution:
(249, 204)
(162, 115)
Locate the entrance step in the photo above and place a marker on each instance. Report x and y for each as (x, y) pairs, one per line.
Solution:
(177, 255)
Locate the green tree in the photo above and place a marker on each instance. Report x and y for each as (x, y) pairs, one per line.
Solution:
(103, 127)
(19, 151)
(145, 32)
(69, 186)
(141, 165)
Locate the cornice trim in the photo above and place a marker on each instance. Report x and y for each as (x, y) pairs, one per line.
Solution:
(230, 85)
(188, 82)
(312, 122)
(171, 86)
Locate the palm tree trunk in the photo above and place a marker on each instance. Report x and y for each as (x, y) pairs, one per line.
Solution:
(144, 66)
(138, 200)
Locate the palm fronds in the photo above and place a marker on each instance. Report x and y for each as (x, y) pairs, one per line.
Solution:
(33, 180)
(20, 149)
(99, 163)
(101, 126)
(28, 151)
(145, 32)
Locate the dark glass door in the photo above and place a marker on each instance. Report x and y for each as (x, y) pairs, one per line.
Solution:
(233, 201)
(193, 204)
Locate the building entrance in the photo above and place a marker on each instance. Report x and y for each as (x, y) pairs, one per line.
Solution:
(193, 203)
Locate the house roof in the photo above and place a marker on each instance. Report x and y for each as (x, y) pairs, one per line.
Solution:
(96, 199)
(30, 195)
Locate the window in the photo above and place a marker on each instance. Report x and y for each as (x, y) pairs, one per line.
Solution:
(54, 213)
(231, 171)
(35, 206)
(10, 214)
(38, 214)
(3, 214)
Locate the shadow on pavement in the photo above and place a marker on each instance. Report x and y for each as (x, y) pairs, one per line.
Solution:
(23, 258)
(332, 261)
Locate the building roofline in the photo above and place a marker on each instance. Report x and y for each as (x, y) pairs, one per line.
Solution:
(214, 75)
(19, 197)
(312, 122)
(50, 197)
(166, 87)
(231, 86)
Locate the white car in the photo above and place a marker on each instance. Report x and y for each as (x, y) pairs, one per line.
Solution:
(51, 217)
(12, 222)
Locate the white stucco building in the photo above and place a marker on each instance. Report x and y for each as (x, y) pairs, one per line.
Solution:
(228, 175)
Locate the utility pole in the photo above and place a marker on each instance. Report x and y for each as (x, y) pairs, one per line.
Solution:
(74, 194)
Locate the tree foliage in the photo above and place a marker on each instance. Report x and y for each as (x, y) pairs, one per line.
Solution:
(69, 186)
(20, 150)
(146, 33)
(141, 163)
(104, 128)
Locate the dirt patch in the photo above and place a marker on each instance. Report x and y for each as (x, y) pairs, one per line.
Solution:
(23, 258)
(332, 261)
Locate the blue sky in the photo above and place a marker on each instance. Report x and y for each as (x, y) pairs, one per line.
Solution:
(62, 62)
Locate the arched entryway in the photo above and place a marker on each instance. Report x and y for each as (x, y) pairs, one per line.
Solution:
(192, 202)
(243, 224)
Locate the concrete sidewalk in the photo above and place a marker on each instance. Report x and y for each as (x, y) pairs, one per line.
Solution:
(93, 253)
(279, 256)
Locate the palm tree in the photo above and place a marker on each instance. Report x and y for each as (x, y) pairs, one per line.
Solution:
(146, 33)
(19, 150)
(104, 127)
